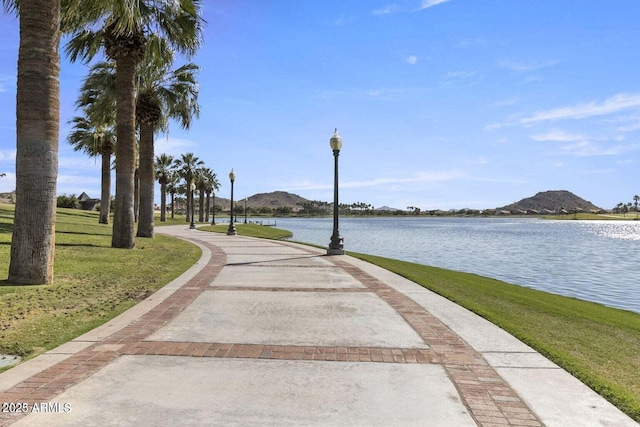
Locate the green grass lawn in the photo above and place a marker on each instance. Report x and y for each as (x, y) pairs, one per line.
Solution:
(631, 216)
(254, 230)
(597, 344)
(92, 281)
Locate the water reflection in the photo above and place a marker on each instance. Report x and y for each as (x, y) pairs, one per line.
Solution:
(591, 260)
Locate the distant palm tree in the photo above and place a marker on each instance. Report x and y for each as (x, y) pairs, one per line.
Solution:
(120, 27)
(187, 166)
(636, 198)
(173, 183)
(96, 140)
(37, 133)
(164, 169)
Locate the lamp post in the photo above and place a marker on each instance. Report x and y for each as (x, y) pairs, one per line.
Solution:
(336, 245)
(213, 221)
(245, 210)
(232, 229)
(192, 187)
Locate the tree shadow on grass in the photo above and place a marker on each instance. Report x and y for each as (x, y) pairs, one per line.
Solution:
(73, 245)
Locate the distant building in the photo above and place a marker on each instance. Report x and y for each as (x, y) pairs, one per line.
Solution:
(86, 202)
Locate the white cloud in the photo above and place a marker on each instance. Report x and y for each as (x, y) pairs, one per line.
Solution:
(7, 155)
(557, 135)
(611, 105)
(590, 149)
(386, 10)
(173, 146)
(460, 75)
(6, 82)
(420, 177)
(521, 67)
(429, 3)
(7, 182)
(412, 59)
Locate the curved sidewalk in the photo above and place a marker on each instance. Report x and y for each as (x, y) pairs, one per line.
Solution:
(263, 332)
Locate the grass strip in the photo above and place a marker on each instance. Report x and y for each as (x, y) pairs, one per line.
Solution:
(93, 282)
(597, 344)
(251, 230)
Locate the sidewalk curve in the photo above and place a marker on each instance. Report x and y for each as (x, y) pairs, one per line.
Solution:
(275, 333)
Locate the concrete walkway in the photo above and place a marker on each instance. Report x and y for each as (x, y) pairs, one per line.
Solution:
(274, 333)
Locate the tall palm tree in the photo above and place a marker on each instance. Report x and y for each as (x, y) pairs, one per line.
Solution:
(211, 182)
(162, 93)
(37, 131)
(187, 166)
(96, 140)
(163, 171)
(95, 133)
(636, 198)
(173, 183)
(120, 26)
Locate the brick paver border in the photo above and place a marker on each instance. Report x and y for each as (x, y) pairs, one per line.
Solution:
(490, 400)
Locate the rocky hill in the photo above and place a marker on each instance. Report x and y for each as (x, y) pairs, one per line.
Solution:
(553, 201)
(275, 199)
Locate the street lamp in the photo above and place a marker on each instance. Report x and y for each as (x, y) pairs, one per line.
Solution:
(336, 245)
(213, 222)
(192, 187)
(232, 229)
(245, 210)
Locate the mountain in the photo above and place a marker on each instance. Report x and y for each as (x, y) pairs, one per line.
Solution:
(275, 199)
(553, 201)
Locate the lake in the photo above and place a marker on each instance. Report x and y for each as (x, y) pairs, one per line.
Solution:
(591, 260)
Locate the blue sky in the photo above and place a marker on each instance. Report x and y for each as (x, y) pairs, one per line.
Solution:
(441, 104)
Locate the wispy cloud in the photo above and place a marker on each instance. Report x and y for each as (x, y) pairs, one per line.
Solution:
(393, 8)
(430, 3)
(460, 75)
(412, 59)
(342, 20)
(617, 103)
(420, 177)
(591, 149)
(383, 94)
(611, 105)
(7, 155)
(521, 67)
(173, 146)
(6, 82)
(557, 135)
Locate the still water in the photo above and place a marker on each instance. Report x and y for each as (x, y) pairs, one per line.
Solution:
(591, 260)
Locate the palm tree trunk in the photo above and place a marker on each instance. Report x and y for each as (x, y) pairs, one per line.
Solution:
(163, 201)
(105, 195)
(37, 131)
(206, 212)
(147, 181)
(124, 215)
(136, 194)
(201, 206)
(172, 205)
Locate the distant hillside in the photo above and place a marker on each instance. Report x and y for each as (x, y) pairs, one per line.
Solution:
(275, 199)
(553, 201)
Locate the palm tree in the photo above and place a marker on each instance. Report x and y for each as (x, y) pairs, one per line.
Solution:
(162, 94)
(96, 140)
(120, 26)
(163, 171)
(211, 184)
(37, 131)
(187, 166)
(636, 198)
(95, 133)
(206, 181)
(172, 188)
